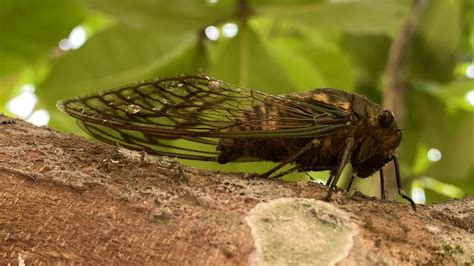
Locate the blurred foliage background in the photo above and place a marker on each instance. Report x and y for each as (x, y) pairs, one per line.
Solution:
(55, 49)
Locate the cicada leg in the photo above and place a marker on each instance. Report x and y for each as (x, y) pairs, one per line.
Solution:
(288, 160)
(382, 184)
(343, 161)
(349, 185)
(329, 181)
(291, 170)
(399, 182)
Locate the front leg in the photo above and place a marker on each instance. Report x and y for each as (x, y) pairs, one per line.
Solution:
(401, 192)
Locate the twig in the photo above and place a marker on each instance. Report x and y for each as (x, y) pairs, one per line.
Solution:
(394, 93)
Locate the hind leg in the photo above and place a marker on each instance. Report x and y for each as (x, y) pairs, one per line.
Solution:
(229, 150)
(290, 159)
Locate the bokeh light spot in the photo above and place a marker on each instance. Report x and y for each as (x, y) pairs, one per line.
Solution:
(28, 88)
(434, 155)
(418, 195)
(23, 104)
(64, 45)
(212, 33)
(230, 29)
(470, 97)
(77, 38)
(470, 71)
(39, 118)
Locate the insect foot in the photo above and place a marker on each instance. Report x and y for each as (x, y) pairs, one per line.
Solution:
(406, 197)
(254, 176)
(328, 195)
(8, 122)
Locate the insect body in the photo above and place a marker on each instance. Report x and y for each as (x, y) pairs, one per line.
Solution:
(200, 118)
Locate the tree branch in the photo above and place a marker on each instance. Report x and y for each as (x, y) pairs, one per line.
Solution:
(66, 199)
(394, 93)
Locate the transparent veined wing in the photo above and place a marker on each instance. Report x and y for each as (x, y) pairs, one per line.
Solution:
(185, 116)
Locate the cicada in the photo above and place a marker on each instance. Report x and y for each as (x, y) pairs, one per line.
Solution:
(201, 118)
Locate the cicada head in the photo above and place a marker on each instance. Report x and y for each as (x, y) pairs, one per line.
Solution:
(386, 132)
(378, 136)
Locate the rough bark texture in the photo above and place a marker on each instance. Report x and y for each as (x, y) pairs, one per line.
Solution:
(66, 199)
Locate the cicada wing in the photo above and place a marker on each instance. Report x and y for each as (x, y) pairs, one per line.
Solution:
(203, 150)
(196, 110)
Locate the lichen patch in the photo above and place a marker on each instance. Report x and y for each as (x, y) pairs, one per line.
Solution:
(300, 231)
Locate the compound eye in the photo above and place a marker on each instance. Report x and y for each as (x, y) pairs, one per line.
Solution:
(385, 119)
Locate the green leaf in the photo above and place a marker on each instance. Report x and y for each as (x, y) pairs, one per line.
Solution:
(195, 60)
(32, 29)
(302, 72)
(442, 188)
(453, 94)
(361, 16)
(441, 29)
(467, 27)
(421, 160)
(434, 51)
(312, 61)
(244, 61)
(10, 81)
(114, 57)
(368, 55)
(450, 132)
(164, 15)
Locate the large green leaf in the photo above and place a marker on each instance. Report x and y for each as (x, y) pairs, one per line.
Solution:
(7, 82)
(191, 60)
(173, 16)
(360, 16)
(434, 52)
(312, 61)
(441, 29)
(303, 73)
(245, 61)
(368, 54)
(453, 94)
(428, 122)
(113, 57)
(31, 29)
(467, 27)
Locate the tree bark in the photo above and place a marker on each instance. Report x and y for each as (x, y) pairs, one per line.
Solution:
(67, 199)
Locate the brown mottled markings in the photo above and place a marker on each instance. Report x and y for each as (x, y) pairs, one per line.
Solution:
(272, 124)
(332, 100)
(321, 97)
